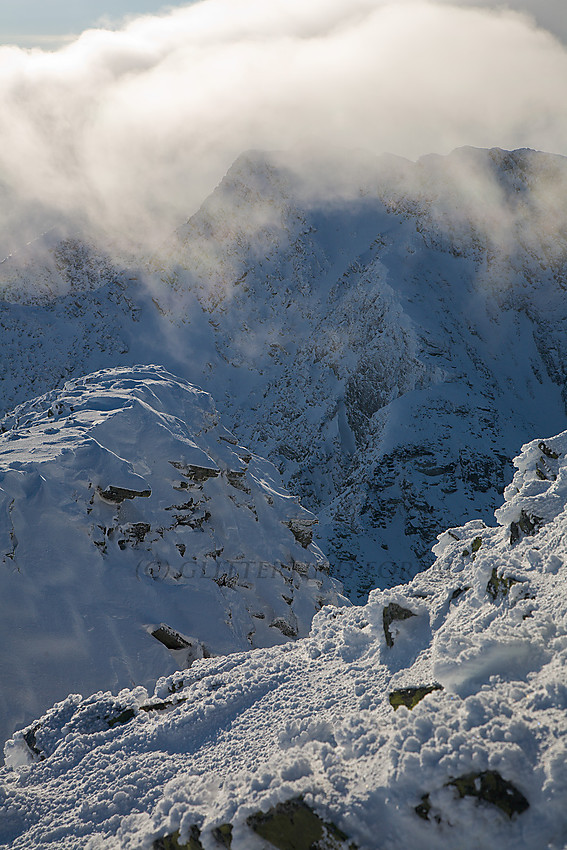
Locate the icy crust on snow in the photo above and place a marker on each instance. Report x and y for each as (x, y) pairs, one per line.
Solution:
(431, 717)
(135, 536)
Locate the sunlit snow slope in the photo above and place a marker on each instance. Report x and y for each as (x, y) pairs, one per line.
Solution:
(135, 536)
(431, 717)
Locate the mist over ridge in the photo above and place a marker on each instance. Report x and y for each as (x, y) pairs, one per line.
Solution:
(127, 131)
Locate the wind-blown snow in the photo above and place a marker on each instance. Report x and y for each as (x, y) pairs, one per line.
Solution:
(478, 762)
(352, 325)
(126, 506)
(131, 129)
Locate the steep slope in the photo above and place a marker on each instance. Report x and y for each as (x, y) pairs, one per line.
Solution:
(387, 333)
(433, 716)
(400, 338)
(135, 536)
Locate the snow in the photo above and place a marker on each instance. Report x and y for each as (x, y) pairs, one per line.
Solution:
(352, 321)
(125, 505)
(388, 336)
(236, 735)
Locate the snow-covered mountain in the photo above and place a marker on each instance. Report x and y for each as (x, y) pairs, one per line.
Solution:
(404, 337)
(431, 717)
(387, 333)
(137, 535)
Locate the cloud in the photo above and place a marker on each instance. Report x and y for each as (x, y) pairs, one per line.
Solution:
(130, 129)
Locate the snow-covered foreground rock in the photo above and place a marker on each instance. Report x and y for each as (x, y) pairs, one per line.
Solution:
(431, 717)
(136, 535)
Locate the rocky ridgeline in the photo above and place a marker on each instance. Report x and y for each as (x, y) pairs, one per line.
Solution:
(432, 716)
(387, 333)
(136, 535)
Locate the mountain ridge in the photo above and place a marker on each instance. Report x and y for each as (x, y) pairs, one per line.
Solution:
(325, 309)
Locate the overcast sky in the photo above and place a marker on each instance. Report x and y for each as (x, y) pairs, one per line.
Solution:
(135, 122)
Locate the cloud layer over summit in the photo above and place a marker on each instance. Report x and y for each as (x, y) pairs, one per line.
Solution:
(132, 128)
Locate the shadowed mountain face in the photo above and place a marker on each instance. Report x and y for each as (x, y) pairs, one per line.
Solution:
(387, 333)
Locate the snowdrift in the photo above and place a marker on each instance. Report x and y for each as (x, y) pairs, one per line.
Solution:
(431, 717)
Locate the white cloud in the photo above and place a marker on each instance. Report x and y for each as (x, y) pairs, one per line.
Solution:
(132, 128)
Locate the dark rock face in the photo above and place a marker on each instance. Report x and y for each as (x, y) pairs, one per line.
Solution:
(487, 787)
(29, 738)
(170, 638)
(284, 626)
(528, 525)
(391, 613)
(116, 495)
(490, 787)
(223, 835)
(197, 474)
(292, 825)
(171, 842)
(411, 696)
(302, 530)
(295, 826)
(499, 585)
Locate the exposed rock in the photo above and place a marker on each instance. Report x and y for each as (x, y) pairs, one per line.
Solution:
(195, 473)
(476, 544)
(458, 592)
(527, 524)
(238, 481)
(123, 717)
(302, 530)
(411, 696)
(138, 530)
(29, 738)
(170, 638)
(547, 451)
(490, 787)
(223, 835)
(120, 494)
(393, 612)
(487, 786)
(499, 585)
(295, 826)
(284, 627)
(423, 809)
(171, 842)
